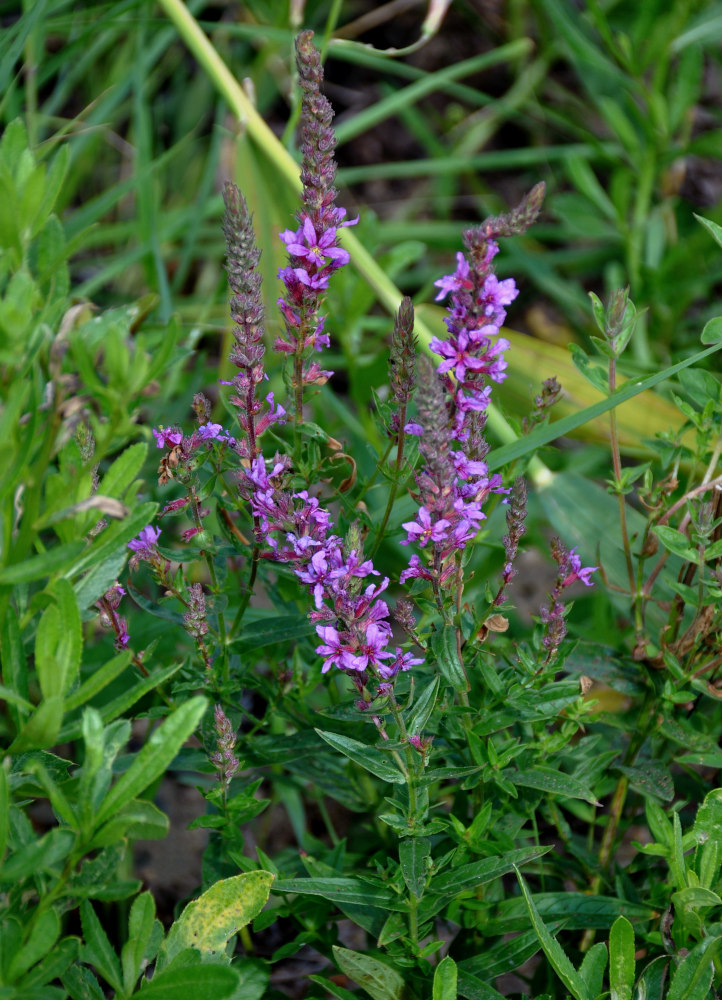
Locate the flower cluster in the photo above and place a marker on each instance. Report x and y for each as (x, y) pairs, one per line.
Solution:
(313, 248)
(454, 482)
(570, 570)
(350, 617)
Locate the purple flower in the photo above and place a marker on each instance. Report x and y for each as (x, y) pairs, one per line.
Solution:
(456, 282)
(422, 530)
(316, 249)
(144, 544)
(167, 437)
(577, 572)
(403, 661)
(330, 648)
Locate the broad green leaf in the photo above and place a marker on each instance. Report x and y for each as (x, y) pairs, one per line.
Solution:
(445, 977)
(97, 949)
(210, 921)
(413, 852)
(379, 980)
(553, 950)
(201, 982)
(369, 758)
(45, 932)
(547, 779)
(621, 959)
(155, 756)
(444, 648)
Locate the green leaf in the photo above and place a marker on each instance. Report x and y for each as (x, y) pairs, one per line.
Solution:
(445, 977)
(592, 968)
(379, 980)
(97, 949)
(123, 471)
(707, 830)
(154, 758)
(444, 648)
(547, 779)
(14, 669)
(553, 950)
(58, 642)
(45, 931)
(42, 728)
(676, 542)
(81, 984)
(38, 855)
(423, 706)
(711, 227)
(98, 680)
(693, 978)
(284, 628)
(137, 819)
(369, 758)
(474, 989)
(479, 872)
(621, 959)
(413, 852)
(202, 982)
(53, 965)
(46, 564)
(120, 704)
(211, 920)
(343, 891)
